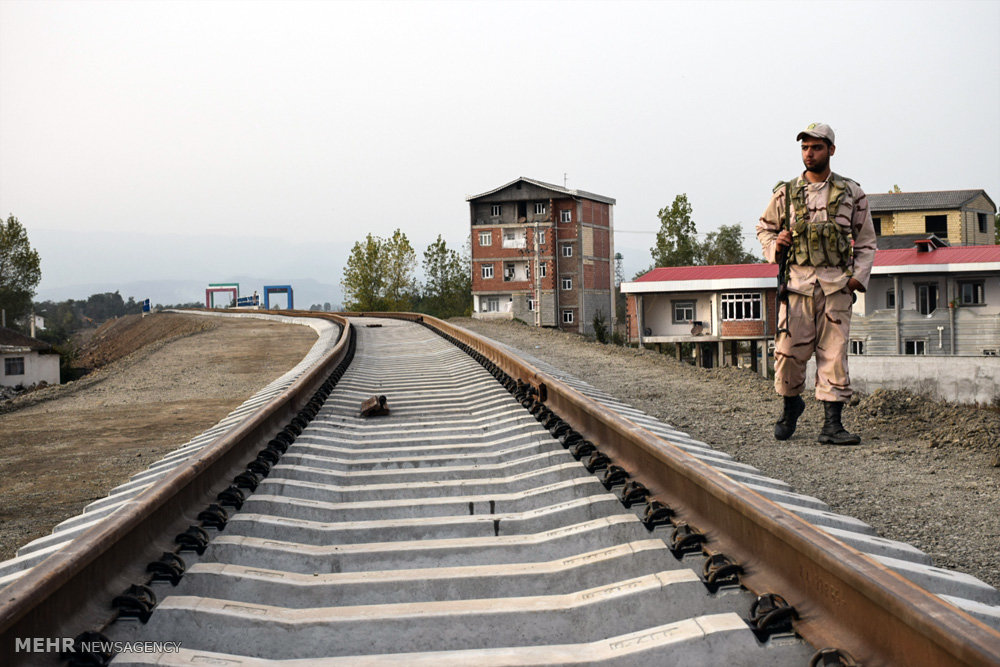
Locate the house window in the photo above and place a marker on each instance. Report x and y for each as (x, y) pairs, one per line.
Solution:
(531, 304)
(491, 304)
(487, 271)
(496, 210)
(13, 366)
(970, 293)
(915, 347)
(927, 298)
(539, 208)
(485, 238)
(983, 222)
(741, 306)
(890, 298)
(567, 283)
(936, 224)
(877, 222)
(508, 272)
(857, 347)
(541, 237)
(683, 311)
(567, 317)
(567, 250)
(509, 235)
(565, 216)
(542, 269)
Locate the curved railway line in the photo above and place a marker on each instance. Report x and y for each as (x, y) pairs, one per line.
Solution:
(501, 513)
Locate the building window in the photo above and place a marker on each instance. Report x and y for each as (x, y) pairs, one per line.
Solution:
(13, 366)
(531, 304)
(508, 272)
(567, 250)
(496, 210)
(683, 311)
(567, 283)
(542, 272)
(567, 317)
(915, 347)
(485, 238)
(487, 271)
(741, 306)
(541, 237)
(970, 293)
(890, 298)
(565, 216)
(539, 208)
(491, 304)
(857, 347)
(877, 222)
(983, 222)
(936, 224)
(927, 298)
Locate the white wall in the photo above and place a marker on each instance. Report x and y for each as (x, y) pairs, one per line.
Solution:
(37, 367)
(973, 380)
(658, 313)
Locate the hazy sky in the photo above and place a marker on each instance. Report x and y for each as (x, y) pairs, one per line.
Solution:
(321, 121)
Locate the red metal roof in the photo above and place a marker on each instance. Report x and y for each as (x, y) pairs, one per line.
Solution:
(907, 256)
(969, 254)
(717, 272)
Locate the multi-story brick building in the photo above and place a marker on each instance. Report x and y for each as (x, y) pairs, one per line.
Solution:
(543, 254)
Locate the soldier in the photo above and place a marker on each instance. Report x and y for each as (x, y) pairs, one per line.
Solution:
(823, 220)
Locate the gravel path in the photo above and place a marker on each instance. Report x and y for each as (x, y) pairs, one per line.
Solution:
(925, 473)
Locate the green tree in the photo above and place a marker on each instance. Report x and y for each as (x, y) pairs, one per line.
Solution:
(378, 274)
(447, 288)
(363, 281)
(399, 261)
(677, 240)
(20, 269)
(725, 246)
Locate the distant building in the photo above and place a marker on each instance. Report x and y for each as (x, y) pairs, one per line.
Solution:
(960, 217)
(26, 361)
(927, 299)
(543, 254)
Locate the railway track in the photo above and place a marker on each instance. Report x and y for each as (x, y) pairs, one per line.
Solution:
(529, 520)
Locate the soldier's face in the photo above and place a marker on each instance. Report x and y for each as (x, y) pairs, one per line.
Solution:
(816, 154)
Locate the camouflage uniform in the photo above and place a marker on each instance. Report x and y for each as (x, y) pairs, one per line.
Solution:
(818, 313)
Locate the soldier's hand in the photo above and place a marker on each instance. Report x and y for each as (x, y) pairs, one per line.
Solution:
(854, 285)
(784, 239)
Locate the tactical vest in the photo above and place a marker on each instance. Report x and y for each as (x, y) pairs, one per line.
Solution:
(817, 243)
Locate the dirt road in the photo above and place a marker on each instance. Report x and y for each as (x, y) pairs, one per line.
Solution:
(68, 446)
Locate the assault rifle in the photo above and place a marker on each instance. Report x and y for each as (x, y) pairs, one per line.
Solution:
(782, 257)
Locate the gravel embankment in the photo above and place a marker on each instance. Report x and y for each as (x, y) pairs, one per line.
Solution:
(925, 473)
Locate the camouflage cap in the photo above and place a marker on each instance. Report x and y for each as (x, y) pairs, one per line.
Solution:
(819, 131)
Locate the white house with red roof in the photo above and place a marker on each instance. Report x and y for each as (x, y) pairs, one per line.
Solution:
(948, 304)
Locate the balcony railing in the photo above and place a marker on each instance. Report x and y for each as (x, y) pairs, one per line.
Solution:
(515, 243)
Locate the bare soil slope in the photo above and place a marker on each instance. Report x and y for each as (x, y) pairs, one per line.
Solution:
(163, 379)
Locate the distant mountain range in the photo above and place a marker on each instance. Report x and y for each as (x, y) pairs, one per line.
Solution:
(170, 269)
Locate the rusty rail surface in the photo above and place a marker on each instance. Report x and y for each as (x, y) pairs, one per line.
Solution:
(843, 598)
(70, 590)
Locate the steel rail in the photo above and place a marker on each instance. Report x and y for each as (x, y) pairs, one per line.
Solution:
(74, 585)
(842, 597)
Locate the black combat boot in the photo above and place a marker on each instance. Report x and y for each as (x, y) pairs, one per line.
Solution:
(794, 405)
(833, 432)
